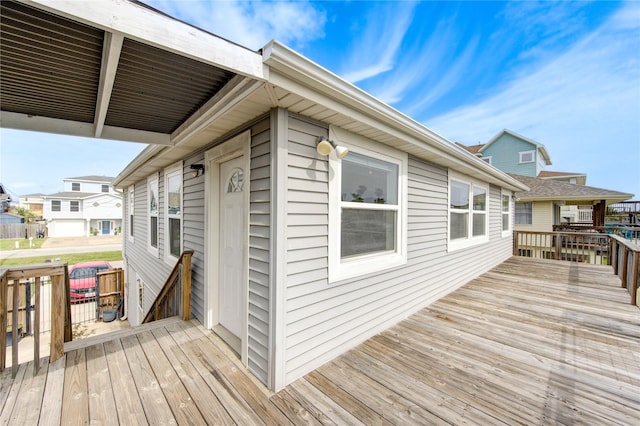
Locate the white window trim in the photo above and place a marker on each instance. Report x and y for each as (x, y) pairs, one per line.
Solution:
(488, 159)
(344, 269)
(470, 241)
(132, 211)
(173, 170)
(533, 156)
(150, 180)
(508, 232)
(514, 215)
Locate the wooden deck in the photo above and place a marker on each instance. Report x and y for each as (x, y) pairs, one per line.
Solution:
(530, 342)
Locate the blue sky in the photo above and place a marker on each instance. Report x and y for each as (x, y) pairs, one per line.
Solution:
(566, 74)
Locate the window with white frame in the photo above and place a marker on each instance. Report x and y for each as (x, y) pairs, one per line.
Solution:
(56, 206)
(173, 206)
(468, 212)
(527, 156)
(486, 159)
(367, 218)
(130, 209)
(152, 211)
(74, 206)
(524, 213)
(105, 188)
(506, 213)
(75, 186)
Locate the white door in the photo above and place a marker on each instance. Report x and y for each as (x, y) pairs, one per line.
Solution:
(232, 216)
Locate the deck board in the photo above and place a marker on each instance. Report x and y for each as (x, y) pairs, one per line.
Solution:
(530, 342)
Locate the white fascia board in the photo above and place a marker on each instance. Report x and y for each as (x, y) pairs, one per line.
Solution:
(234, 92)
(298, 74)
(147, 26)
(14, 120)
(608, 198)
(147, 154)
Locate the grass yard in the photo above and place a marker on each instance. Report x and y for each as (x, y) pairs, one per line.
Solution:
(71, 258)
(23, 244)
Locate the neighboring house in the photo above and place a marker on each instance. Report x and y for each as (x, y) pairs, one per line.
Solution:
(34, 203)
(539, 208)
(5, 199)
(10, 218)
(89, 205)
(298, 255)
(512, 153)
(518, 155)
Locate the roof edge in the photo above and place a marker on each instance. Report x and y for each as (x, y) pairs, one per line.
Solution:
(306, 72)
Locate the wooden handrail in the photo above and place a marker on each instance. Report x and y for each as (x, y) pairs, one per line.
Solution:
(60, 309)
(180, 274)
(628, 254)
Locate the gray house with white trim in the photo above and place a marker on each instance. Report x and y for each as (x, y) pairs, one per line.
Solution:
(298, 255)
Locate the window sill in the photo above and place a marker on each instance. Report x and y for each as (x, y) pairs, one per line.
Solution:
(364, 266)
(454, 245)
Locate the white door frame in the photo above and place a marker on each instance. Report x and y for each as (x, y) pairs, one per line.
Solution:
(237, 146)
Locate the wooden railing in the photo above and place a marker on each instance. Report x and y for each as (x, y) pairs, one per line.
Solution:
(14, 279)
(175, 296)
(625, 258)
(585, 247)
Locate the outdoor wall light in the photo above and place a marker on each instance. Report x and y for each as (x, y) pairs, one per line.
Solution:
(325, 146)
(197, 170)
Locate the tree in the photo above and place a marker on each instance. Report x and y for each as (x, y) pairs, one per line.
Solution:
(25, 213)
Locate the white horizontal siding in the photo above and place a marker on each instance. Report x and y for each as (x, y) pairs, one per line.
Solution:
(322, 319)
(259, 251)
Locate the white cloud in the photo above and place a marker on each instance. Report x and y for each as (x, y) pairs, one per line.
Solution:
(251, 24)
(584, 106)
(375, 51)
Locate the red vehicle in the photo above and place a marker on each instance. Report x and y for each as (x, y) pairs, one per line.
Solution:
(82, 279)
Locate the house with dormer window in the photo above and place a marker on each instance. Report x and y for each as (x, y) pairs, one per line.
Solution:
(88, 206)
(553, 197)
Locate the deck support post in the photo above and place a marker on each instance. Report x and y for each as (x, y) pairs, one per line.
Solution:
(4, 294)
(58, 317)
(186, 285)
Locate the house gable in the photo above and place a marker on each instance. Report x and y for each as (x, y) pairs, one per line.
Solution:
(513, 153)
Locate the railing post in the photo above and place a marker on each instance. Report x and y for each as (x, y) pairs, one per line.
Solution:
(36, 327)
(634, 277)
(15, 327)
(58, 317)
(68, 331)
(558, 244)
(625, 261)
(4, 310)
(186, 285)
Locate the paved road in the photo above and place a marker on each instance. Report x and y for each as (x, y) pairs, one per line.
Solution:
(54, 246)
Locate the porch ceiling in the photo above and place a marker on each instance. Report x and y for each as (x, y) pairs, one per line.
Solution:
(61, 75)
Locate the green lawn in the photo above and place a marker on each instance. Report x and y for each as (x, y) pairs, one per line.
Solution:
(70, 258)
(23, 243)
